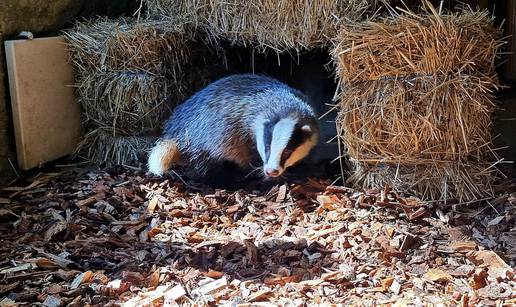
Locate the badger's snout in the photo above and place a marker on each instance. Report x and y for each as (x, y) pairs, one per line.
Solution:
(272, 172)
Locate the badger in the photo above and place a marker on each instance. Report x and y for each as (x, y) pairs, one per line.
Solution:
(243, 119)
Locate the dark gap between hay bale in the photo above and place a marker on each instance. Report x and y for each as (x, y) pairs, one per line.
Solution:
(416, 100)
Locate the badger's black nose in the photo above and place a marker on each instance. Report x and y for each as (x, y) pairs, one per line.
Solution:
(272, 172)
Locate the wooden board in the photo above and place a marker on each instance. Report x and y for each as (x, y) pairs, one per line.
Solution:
(46, 115)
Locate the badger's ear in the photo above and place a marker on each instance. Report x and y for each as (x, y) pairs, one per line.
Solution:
(306, 128)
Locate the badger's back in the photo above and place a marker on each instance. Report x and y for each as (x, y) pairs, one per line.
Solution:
(216, 123)
(228, 100)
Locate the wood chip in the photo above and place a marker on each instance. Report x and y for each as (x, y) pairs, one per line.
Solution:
(55, 229)
(252, 251)
(479, 279)
(488, 258)
(7, 302)
(321, 233)
(9, 287)
(19, 268)
(52, 301)
(211, 286)
(151, 206)
(438, 275)
(214, 274)
(259, 296)
(409, 241)
(273, 281)
(86, 202)
(172, 295)
(463, 246)
(282, 194)
(395, 287)
(80, 279)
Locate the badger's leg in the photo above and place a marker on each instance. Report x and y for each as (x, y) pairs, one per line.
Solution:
(225, 175)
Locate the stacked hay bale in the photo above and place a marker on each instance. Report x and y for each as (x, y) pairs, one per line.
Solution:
(416, 98)
(129, 74)
(279, 25)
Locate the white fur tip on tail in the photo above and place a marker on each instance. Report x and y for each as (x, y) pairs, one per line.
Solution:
(162, 156)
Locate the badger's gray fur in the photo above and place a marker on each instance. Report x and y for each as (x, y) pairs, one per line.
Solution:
(242, 119)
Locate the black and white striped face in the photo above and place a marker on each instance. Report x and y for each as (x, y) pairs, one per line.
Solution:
(283, 143)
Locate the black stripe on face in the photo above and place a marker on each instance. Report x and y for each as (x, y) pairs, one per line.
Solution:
(267, 139)
(298, 138)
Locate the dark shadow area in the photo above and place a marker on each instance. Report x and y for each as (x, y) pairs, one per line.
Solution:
(504, 123)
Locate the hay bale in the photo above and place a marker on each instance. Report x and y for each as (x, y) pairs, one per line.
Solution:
(125, 102)
(104, 148)
(418, 120)
(129, 44)
(411, 44)
(446, 181)
(416, 99)
(129, 73)
(279, 25)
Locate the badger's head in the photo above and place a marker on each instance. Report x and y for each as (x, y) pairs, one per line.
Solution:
(283, 142)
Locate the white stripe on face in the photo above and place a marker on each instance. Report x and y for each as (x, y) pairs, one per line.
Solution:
(280, 136)
(259, 126)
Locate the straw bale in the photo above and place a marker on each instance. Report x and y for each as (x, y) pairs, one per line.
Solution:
(129, 73)
(417, 120)
(269, 24)
(452, 180)
(105, 148)
(416, 101)
(409, 44)
(128, 45)
(127, 69)
(124, 101)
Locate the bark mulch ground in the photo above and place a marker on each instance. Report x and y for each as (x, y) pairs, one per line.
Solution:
(118, 237)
